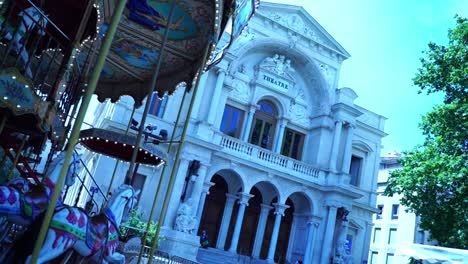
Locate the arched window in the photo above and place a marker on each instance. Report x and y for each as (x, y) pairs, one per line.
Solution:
(157, 105)
(264, 123)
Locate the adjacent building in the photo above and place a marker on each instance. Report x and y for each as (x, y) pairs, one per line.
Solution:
(278, 164)
(393, 225)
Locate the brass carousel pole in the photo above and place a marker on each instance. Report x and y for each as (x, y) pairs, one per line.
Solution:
(3, 123)
(158, 189)
(118, 161)
(77, 126)
(179, 150)
(17, 155)
(129, 177)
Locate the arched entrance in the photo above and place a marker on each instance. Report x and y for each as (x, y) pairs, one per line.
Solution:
(213, 209)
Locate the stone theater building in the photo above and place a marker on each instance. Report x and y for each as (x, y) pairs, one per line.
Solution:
(279, 164)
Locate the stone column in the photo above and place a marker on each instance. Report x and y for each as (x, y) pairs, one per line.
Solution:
(348, 148)
(280, 135)
(279, 212)
(201, 203)
(335, 145)
(248, 123)
(243, 202)
(174, 201)
(200, 93)
(216, 95)
(198, 185)
(230, 199)
(309, 250)
(292, 236)
(329, 234)
(262, 221)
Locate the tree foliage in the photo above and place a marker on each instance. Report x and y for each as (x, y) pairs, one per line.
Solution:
(434, 176)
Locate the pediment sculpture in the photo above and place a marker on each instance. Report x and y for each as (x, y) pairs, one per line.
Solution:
(278, 64)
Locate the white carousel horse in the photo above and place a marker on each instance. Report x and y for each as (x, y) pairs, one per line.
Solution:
(73, 228)
(29, 18)
(22, 207)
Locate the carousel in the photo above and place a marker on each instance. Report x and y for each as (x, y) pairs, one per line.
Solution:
(54, 55)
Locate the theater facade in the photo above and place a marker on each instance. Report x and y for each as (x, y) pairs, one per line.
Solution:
(279, 163)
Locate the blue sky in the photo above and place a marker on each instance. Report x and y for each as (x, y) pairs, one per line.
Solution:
(385, 39)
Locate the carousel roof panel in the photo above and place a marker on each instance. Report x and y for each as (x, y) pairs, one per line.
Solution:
(121, 146)
(195, 26)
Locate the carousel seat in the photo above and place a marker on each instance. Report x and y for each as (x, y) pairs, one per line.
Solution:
(37, 196)
(98, 225)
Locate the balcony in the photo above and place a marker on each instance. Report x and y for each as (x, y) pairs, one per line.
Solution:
(271, 159)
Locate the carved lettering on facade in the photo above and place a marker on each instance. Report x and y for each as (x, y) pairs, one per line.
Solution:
(276, 82)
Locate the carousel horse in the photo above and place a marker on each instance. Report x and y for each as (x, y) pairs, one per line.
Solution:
(72, 228)
(29, 18)
(21, 207)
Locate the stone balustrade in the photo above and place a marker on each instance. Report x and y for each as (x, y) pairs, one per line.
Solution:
(271, 159)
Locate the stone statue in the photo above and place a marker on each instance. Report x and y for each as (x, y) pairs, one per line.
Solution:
(279, 65)
(185, 221)
(341, 255)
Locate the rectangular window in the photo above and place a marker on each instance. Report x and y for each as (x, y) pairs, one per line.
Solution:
(374, 256)
(293, 142)
(395, 208)
(380, 211)
(157, 105)
(231, 124)
(377, 232)
(389, 258)
(355, 170)
(392, 236)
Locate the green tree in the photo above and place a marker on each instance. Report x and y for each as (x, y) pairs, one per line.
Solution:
(136, 227)
(434, 176)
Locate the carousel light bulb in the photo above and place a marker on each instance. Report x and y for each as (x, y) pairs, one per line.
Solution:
(18, 106)
(5, 97)
(13, 77)
(27, 86)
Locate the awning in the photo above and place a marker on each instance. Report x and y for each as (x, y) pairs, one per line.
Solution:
(433, 254)
(120, 146)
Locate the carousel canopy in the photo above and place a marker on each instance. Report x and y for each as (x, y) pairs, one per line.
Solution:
(121, 146)
(195, 25)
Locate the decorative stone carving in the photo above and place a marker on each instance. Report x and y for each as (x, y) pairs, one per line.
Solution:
(341, 255)
(185, 221)
(300, 95)
(328, 74)
(297, 24)
(279, 65)
(241, 91)
(298, 113)
(246, 36)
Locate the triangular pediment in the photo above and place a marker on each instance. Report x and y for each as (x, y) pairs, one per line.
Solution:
(298, 20)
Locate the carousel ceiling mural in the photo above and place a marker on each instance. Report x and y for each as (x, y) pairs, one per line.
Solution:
(195, 25)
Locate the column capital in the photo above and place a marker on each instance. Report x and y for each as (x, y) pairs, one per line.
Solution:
(280, 208)
(349, 124)
(244, 198)
(265, 207)
(332, 204)
(231, 197)
(220, 71)
(314, 220)
(207, 186)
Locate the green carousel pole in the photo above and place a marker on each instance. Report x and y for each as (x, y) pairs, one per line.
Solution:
(179, 150)
(77, 126)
